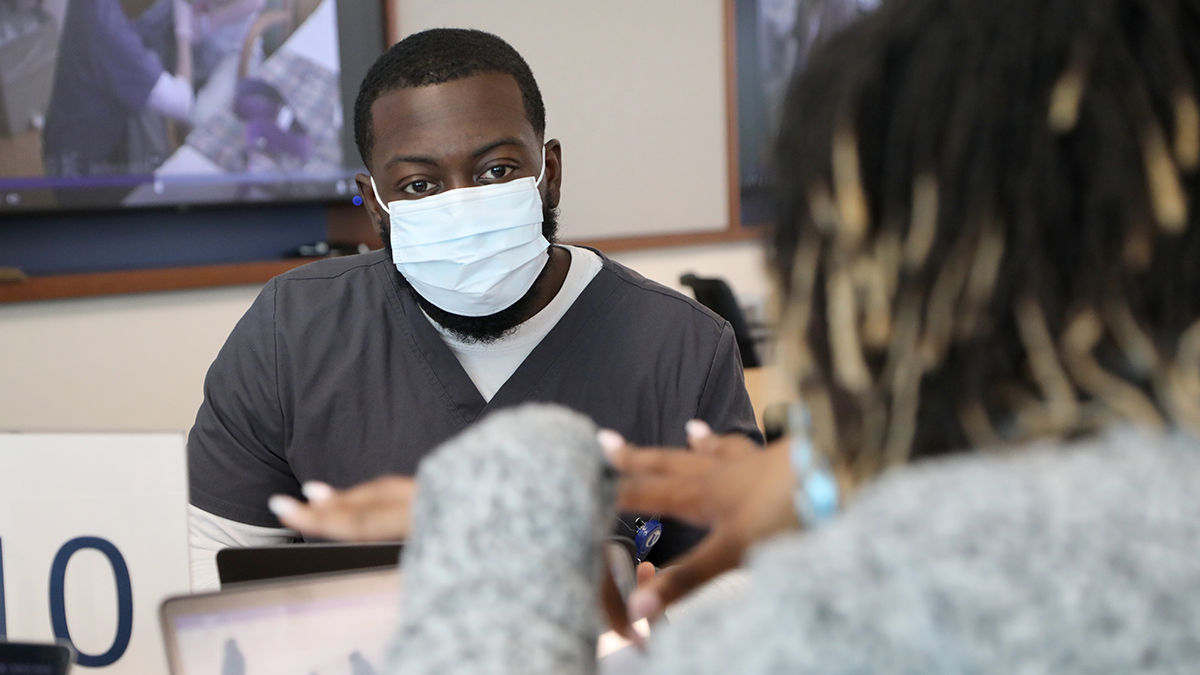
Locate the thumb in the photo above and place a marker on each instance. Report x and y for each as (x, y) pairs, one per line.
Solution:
(615, 611)
(719, 552)
(645, 572)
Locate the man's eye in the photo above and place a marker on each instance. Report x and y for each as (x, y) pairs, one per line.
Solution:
(417, 187)
(498, 172)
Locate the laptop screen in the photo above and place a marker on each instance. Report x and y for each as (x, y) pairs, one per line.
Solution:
(18, 658)
(239, 564)
(328, 625)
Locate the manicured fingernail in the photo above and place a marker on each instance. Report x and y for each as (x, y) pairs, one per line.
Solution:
(643, 604)
(610, 442)
(637, 637)
(697, 429)
(282, 505)
(316, 491)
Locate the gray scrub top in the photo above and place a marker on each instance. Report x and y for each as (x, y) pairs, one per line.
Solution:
(335, 374)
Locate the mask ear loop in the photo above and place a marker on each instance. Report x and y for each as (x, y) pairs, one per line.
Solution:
(375, 189)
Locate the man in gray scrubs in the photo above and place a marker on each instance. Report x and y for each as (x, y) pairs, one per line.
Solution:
(350, 368)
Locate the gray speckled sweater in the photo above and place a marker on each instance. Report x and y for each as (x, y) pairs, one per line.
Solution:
(1077, 559)
(502, 572)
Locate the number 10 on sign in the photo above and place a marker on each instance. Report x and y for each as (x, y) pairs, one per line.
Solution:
(58, 607)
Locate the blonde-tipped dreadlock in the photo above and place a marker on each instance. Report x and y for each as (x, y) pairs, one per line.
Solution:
(987, 230)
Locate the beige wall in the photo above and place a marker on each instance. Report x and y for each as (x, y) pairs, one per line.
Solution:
(128, 363)
(137, 362)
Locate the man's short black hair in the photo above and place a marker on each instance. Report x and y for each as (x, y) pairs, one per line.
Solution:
(437, 56)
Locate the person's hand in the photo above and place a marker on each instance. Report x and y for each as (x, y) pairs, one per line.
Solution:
(378, 510)
(614, 607)
(727, 483)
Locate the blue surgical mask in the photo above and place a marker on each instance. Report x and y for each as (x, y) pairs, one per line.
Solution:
(471, 251)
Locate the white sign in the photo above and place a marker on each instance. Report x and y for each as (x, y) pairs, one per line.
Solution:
(93, 535)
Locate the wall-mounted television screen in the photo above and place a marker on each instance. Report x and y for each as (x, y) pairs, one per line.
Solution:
(156, 103)
(774, 39)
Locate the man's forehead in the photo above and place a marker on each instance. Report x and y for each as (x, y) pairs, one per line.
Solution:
(441, 119)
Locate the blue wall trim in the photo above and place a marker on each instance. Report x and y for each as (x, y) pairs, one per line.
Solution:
(133, 240)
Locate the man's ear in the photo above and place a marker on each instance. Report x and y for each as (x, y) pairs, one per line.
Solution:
(371, 204)
(553, 172)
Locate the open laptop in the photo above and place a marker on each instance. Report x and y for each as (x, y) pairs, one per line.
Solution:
(335, 624)
(323, 624)
(259, 563)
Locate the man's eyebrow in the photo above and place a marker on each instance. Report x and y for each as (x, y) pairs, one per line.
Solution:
(410, 159)
(509, 140)
(425, 159)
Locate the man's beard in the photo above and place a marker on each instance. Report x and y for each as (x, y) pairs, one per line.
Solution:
(490, 328)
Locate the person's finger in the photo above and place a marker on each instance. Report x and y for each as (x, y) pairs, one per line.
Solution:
(295, 514)
(664, 462)
(316, 492)
(299, 516)
(706, 445)
(702, 441)
(615, 611)
(338, 519)
(631, 458)
(719, 552)
(283, 506)
(645, 572)
(682, 498)
(731, 445)
(382, 490)
(697, 431)
(617, 451)
(610, 441)
(349, 524)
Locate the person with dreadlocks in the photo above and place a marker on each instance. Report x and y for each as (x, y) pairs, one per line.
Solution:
(988, 249)
(989, 265)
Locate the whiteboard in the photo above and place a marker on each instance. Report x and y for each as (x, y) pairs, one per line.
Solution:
(635, 90)
(93, 535)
